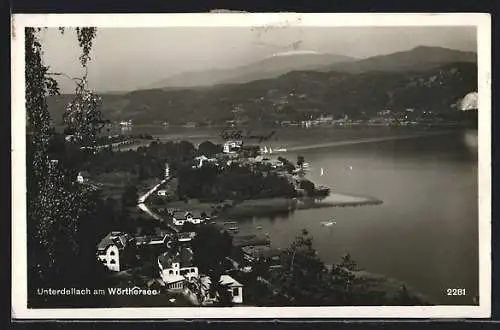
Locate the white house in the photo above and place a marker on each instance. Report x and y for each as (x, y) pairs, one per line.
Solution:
(82, 177)
(115, 250)
(200, 160)
(177, 270)
(126, 123)
(231, 146)
(162, 192)
(167, 171)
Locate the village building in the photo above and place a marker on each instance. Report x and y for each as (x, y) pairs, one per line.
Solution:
(181, 217)
(160, 239)
(116, 251)
(185, 237)
(250, 151)
(82, 177)
(201, 160)
(232, 146)
(234, 287)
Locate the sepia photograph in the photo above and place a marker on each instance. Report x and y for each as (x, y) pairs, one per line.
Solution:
(283, 165)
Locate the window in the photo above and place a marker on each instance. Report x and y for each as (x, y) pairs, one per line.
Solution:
(113, 261)
(236, 292)
(170, 272)
(112, 253)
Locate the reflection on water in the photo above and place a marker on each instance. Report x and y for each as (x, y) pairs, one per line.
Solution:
(471, 140)
(425, 232)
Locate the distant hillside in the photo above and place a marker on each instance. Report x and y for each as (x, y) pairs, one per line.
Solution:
(295, 95)
(270, 67)
(417, 59)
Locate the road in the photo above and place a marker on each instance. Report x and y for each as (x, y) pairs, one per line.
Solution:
(143, 207)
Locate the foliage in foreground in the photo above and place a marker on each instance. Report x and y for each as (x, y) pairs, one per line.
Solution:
(304, 280)
(62, 217)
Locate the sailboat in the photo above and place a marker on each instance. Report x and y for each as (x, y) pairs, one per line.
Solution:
(322, 172)
(328, 223)
(270, 150)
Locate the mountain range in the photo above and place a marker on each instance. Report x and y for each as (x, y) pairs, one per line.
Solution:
(270, 67)
(423, 78)
(418, 58)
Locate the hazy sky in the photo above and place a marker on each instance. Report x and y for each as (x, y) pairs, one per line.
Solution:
(131, 58)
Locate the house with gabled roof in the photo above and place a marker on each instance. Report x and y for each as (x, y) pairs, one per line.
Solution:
(176, 270)
(116, 251)
(234, 287)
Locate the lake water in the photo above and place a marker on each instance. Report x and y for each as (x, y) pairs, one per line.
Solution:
(426, 231)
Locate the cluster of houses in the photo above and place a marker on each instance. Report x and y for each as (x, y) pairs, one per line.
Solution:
(177, 274)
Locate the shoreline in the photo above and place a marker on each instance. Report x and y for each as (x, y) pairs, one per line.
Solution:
(163, 138)
(364, 140)
(281, 205)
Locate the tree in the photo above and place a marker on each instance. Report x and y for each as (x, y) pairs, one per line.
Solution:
(188, 227)
(61, 219)
(348, 263)
(300, 161)
(210, 249)
(209, 149)
(288, 165)
(308, 186)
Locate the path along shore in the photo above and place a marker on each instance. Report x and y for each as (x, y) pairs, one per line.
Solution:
(363, 140)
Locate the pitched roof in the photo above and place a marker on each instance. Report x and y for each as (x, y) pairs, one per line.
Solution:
(224, 280)
(173, 278)
(228, 280)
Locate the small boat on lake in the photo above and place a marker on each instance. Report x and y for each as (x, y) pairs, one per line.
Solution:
(328, 223)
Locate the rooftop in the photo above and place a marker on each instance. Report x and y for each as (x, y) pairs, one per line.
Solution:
(173, 278)
(115, 238)
(184, 258)
(224, 280)
(228, 280)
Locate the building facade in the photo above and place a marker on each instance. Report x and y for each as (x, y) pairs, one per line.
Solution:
(116, 251)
